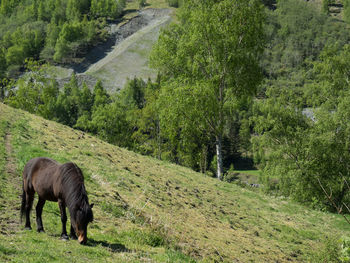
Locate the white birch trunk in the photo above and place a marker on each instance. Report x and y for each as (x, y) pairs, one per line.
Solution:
(219, 157)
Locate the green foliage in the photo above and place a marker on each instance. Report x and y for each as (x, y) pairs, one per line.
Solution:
(301, 117)
(145, 116)
(57, 30)
(174, 3)
(68, 103)
(133, 94)
(332, 251)
(109, 122)
(210, 68)
(325, 6)
(111, 119)
(297, 33)
(8, 6)
(307, 152)
(142, 3)
(345, 249)
(72, 37)
(34, 92)
(136, 118)
(107, 8)
(346, 11)
(101, 97)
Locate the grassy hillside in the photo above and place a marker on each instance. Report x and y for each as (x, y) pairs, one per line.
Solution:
(149, 210)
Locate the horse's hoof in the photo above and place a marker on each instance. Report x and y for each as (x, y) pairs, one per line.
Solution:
(73, 237)
(28, 228)
(41, 230)
(64, 238)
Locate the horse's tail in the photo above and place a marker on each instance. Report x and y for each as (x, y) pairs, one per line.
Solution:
(24, 201)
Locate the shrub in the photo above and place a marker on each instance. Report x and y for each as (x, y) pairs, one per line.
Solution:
(173, 3)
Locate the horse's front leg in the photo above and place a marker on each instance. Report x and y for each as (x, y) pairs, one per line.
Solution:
(62, 206)
(72, 233)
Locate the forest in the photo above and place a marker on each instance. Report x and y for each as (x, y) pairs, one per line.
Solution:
(262, 85)
(53, 31)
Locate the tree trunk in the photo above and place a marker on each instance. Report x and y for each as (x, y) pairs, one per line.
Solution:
(203, 159)
(219, 157)
(159, 141)
(340, 197)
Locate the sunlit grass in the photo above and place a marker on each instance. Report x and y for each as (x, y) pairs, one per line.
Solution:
(151, 210)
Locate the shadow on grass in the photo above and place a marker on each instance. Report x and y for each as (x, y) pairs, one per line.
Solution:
(114, 247)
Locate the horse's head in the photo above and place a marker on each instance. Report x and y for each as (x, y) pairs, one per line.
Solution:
(83, 216)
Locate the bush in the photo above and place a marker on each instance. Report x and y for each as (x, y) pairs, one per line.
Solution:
(332, 251)
(142, 3)
(231, 175)
(345, 250)
(173, 3)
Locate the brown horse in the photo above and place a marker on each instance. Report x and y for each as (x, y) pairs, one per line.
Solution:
(62, 183)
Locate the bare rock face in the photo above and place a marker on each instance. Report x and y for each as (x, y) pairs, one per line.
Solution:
(90, 81)
(119, 32)
(96, 57)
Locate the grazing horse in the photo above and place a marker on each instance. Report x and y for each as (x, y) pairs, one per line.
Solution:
(62, 183)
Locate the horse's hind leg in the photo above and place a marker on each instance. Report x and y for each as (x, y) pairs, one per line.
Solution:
(62, 206)
(39, 210)
(28, 207)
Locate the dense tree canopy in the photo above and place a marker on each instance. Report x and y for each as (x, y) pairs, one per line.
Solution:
(212, 56)
(54, 30)
(305, 149)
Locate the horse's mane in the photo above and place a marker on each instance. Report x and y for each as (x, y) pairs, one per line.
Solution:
(75, 194)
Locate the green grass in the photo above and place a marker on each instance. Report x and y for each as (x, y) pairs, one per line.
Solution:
(3, 128)
(150, 210)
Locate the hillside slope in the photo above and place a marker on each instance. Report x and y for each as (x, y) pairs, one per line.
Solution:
(123, 56)
(148, 210)
(130, 57)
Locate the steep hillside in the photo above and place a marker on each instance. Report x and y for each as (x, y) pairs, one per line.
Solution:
(129, 57)
(126, 52)
(148, 210)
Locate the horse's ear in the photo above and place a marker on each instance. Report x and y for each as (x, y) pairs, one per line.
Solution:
(92, 205)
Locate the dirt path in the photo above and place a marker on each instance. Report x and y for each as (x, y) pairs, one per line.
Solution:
(11, 190)
(10, 168)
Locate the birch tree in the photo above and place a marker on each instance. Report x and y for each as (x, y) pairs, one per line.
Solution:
(212, 56)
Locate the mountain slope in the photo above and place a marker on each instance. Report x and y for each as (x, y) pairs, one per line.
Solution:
(130, 57)
(148, 210)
